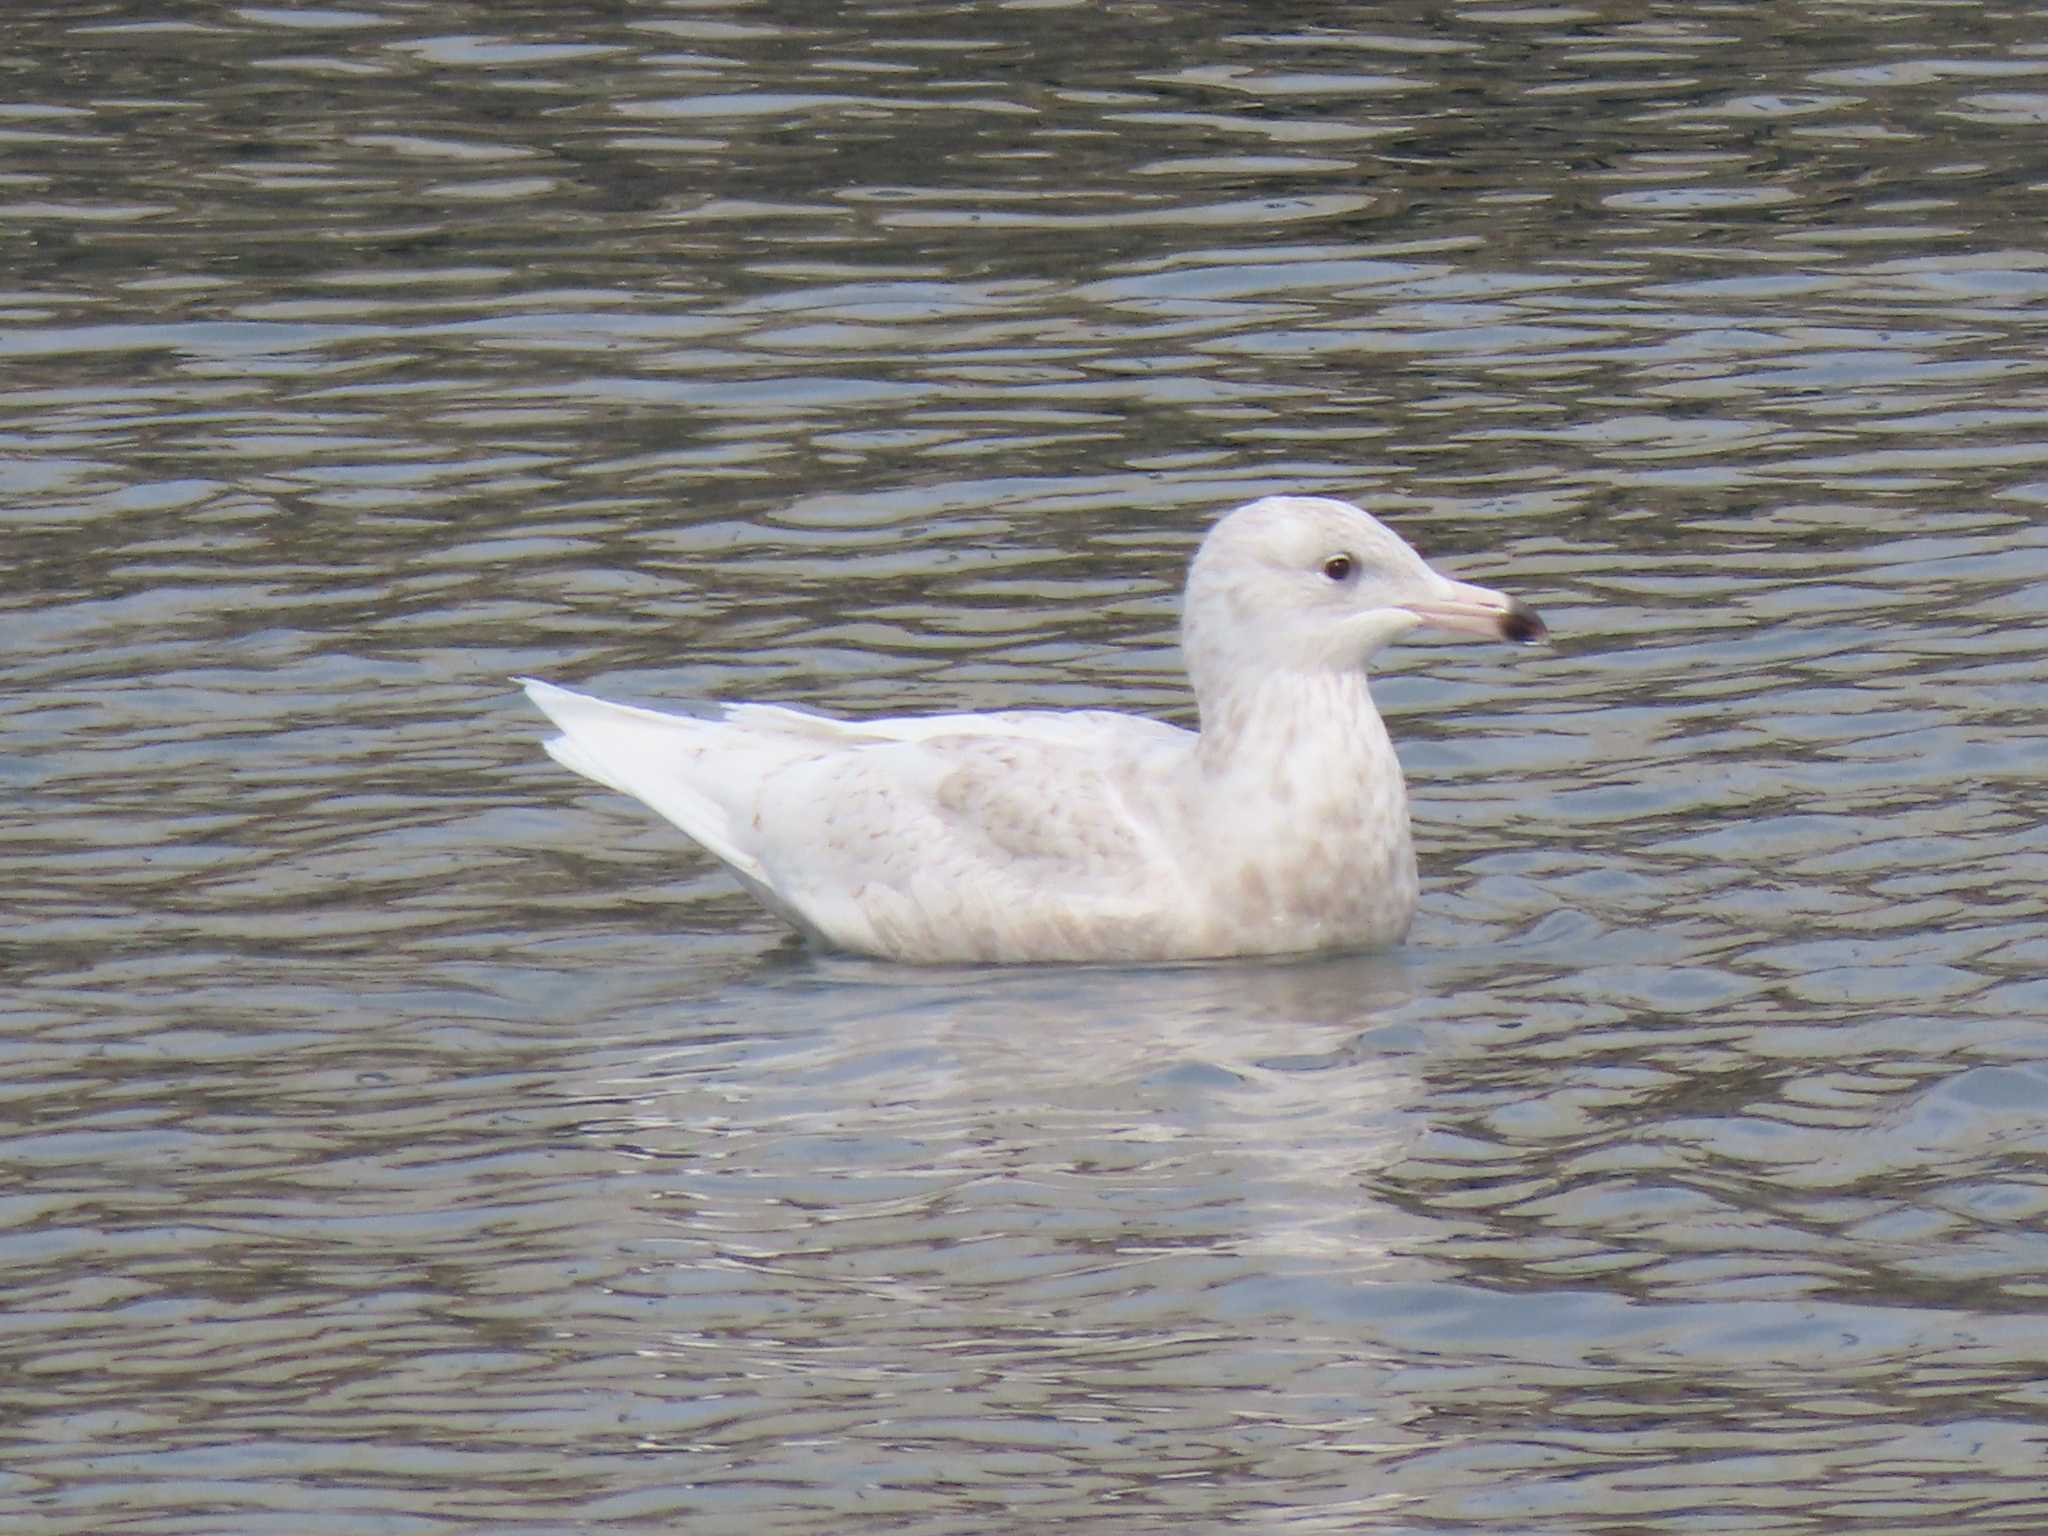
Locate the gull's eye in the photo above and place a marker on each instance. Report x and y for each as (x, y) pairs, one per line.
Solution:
(1340, 567)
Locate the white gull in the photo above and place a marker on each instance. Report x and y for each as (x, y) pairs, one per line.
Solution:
(1281, 826)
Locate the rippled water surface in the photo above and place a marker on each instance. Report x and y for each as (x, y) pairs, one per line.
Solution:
(403, 1136)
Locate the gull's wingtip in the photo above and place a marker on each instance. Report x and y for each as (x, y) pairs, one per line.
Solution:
(550, 700)
(540, 691)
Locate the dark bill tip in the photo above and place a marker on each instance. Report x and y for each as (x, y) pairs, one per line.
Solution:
(1523, 625)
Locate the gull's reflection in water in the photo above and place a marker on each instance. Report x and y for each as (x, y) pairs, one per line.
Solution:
(1070, 1026)
(1229, 1108)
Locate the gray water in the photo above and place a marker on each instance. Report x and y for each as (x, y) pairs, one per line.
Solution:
(402, 1136)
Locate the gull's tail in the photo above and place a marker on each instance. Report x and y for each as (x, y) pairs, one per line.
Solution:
(651, 756)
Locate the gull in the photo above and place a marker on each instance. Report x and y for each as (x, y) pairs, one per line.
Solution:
(1280, 826)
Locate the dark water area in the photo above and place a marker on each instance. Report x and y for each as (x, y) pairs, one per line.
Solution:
(401, 1135)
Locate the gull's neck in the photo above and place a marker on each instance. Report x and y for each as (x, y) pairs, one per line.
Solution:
(1295, 726)
(1303, 813)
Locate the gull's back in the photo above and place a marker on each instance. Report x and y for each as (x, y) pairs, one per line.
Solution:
(1014, 836)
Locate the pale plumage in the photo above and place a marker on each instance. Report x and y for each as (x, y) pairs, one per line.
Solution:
(1281, 826)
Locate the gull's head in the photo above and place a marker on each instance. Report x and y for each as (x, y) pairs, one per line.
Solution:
(1309, 584)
